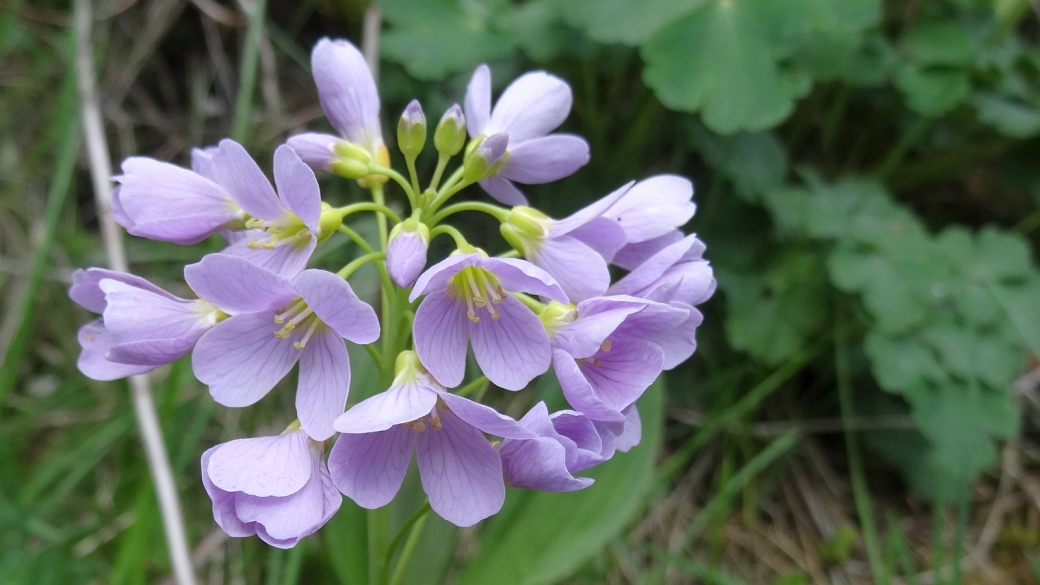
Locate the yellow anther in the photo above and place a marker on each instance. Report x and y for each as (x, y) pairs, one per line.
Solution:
(472, 316)
(418, 426)
(596, 362)
(255, 223)
(606, 345)
(253, 244)
(435, 422)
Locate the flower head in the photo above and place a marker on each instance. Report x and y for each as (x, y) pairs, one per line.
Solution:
(468, 295)
(529, 109)
(276, 322)
(275, 487)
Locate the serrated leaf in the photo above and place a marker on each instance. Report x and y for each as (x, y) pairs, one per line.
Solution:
(902, 365)
(624, 21)
(718, 61)
(434, 38)
(1003, 255)
(541, 537)
(939, 43)
(1019, 301)
(932, 92)
(1010, 118)
(825, 34)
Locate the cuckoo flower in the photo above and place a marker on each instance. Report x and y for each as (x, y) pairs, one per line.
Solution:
(567, 443)
(529, 109)
(276, 322)
(348, 95)
(460, 471)
(679, 276)
(468, 296)
(574, 250)
(603, 368)
(143, 326)
(275, 487)
(651, 210)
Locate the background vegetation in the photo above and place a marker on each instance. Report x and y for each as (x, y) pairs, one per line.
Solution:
(863, 405)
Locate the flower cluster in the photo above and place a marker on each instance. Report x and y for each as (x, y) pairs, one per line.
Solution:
(548, 303)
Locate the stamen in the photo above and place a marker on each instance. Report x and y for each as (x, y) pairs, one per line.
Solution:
(290, 311)
(596, 362)
(306, 336)
(418, 426)
(469, 308)
(493, 291)
(435, 422)
(478, 297)
(253, 244)
(255, 223)
(307, 312)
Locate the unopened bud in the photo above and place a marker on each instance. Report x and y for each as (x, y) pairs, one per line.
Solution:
(525, 228)
(450, 135)
(352, 161)
(484, 160)
(411, 130)
(406, 252)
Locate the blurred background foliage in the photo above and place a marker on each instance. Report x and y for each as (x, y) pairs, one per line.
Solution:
(863, 404)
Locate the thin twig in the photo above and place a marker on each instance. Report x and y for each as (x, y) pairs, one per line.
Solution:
(144, 406)
(370, 39)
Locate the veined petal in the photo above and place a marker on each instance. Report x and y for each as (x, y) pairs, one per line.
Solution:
(324, 383)
(335, 303)
(522, 276)
(580, 393)
(347, 91)
(315, 149)
(478, 101)
(460, 471)
(511, 350)
(154, 352)
(597, 319)
(503, 191)
(285, 518)
(532, 106)
(621, 375)
(440, 332)
(654, 207)
(370, 468)
(96, 342)
(236, 285)
(149, 328)
(202, 161)
(287, 260)
(633, 255)
(297, 186)
(485, 418)
(545, 159)
(262, 466)
(603, 235)
(651, 271)
(166, 202)
(589, 212)
(241, 360)
(86, 290)
(580, 271)
(400, 404)
(237, 172)
(577, 427)
(224, 503)
(540, 464)
(633, 431)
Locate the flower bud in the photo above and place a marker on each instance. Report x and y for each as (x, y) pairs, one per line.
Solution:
(524, 228)
(406, 252)
(411, 130)
(484, 160)
(352, 161)
(450, 135)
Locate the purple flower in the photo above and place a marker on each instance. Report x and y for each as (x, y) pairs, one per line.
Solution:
(406, 252)
(349, 97)
(574, 250)
(604, 365)
(534, 105)
(276, 322)
(468, 296)
(143, 326)
(653, 208)
(460, 471)
(227, 190)
(567, 443)
(275, 487)
(678, 276)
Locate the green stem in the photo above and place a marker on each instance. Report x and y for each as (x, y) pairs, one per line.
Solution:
(409, 548)
(499, 213)
(453, 185)
(378, 525)
(410, 161)
(860, 490)
(472, 386)
(442, 162)
(397, 177)
(349, 269)
(460, 240)
(378, 198)
(530, 302)
(906, 142)
(357, 239)
(402, 533)
(367, 206)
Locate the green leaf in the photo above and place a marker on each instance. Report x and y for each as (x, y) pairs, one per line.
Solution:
(1019, 301)
(932, 92)
(542, 537)
(871, 63)
(624, 21)
(939, 43)
(1008, 117)
(718, 61)
(434, 38)
(825, 34)
(755, 162)
(902, 365)
(537, 28)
